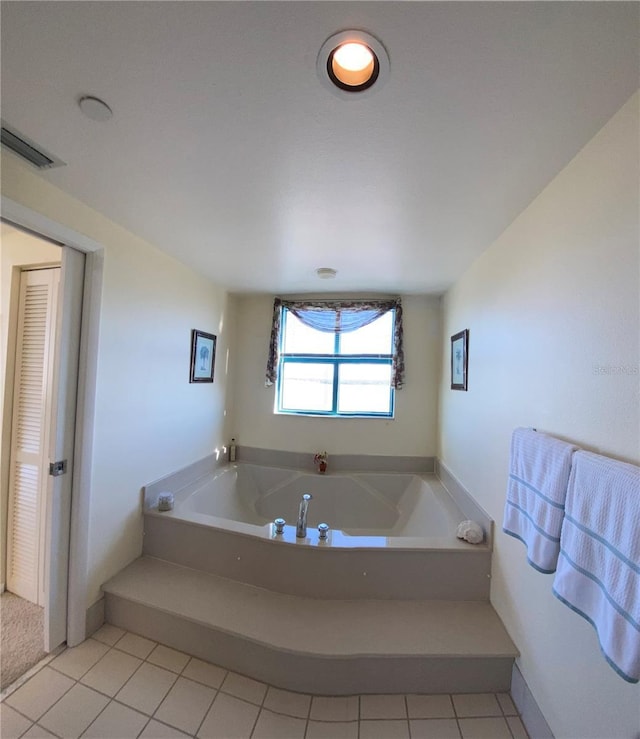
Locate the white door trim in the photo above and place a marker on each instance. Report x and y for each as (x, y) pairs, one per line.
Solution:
(39, 224)
(27, 218)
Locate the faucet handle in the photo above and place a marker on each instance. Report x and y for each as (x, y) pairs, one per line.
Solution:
(323, 528)
(307, 496)
(279, 523)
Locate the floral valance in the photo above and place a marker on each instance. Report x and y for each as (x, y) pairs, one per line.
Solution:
(333, 316)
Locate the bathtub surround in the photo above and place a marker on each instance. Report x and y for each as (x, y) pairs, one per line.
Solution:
(462, 498)
(329, 611)
(553, 308)
(175, 481)
(339, 462)
(179, 479)
(316, 571)
(222, 524)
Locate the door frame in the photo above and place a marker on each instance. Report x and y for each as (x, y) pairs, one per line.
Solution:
(30, 220)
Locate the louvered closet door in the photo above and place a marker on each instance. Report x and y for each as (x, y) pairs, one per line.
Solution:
(30, 431)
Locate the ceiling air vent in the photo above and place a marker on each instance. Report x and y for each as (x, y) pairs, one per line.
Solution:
(19, 144)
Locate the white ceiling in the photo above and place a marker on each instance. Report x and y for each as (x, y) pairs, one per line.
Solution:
(227, 152)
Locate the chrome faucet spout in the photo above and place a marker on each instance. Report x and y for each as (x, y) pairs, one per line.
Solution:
(301, 525)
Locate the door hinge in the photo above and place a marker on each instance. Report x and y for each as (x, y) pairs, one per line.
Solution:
(58, 468)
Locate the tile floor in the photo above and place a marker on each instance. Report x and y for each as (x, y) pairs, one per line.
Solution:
(119, 685)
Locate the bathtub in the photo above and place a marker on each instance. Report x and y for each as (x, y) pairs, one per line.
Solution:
(361, 509)
(392, 535)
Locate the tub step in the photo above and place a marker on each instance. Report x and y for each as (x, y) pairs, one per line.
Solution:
(334, 647)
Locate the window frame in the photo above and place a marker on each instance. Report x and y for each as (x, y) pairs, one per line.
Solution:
(336, 360)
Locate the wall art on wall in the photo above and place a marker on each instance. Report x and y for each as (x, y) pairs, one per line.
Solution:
(459, 360)
(203, 356)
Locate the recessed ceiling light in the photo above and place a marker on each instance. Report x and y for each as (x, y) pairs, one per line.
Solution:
(352, 62)
(95, 108)
(353, 67)
(326, 273)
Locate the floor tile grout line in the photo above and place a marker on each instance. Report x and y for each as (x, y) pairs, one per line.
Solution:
(66, 649)
(306, 726)
(150, 718)
(109, 702)
(169, 689)
(213, 664)
(28, 675)
(120, 702)
(127, 680)
(31, 724)
(59, 736)
(206, 713)
(406, 708)
(279, 713)
(264, 698)
(75, 682)
(21, 714)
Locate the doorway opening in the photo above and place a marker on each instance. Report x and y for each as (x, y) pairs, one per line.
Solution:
(29, 275)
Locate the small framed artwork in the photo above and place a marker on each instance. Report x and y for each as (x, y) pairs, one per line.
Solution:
(203, 356)
(459, 360)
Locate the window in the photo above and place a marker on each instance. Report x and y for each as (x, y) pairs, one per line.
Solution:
(335, 359)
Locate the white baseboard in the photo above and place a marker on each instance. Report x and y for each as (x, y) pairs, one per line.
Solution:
(95, 617)
(532, 717)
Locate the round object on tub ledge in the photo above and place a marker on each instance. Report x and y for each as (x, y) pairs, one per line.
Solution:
(470, 531)
(165, 502)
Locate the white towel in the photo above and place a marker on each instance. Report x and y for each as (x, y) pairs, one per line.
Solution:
(534, 509)
(599, 567)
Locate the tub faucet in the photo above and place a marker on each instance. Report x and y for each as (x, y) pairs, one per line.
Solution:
(301, 525)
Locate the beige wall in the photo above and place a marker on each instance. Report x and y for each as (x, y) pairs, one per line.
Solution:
(553, 313)
(149, 420)
(411, 432)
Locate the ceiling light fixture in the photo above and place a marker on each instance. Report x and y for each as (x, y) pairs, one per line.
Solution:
(326, 273)
(352, 62)
(95, 108)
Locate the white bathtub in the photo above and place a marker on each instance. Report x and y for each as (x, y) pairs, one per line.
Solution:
(361, 509)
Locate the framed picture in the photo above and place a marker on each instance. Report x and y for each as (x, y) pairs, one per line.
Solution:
(203, 356)
(459, 360)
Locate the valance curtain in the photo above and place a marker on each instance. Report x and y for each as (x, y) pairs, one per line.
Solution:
(331, 316)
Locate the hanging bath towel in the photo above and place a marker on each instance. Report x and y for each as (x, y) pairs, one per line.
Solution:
(538, 477)
(598, 572)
